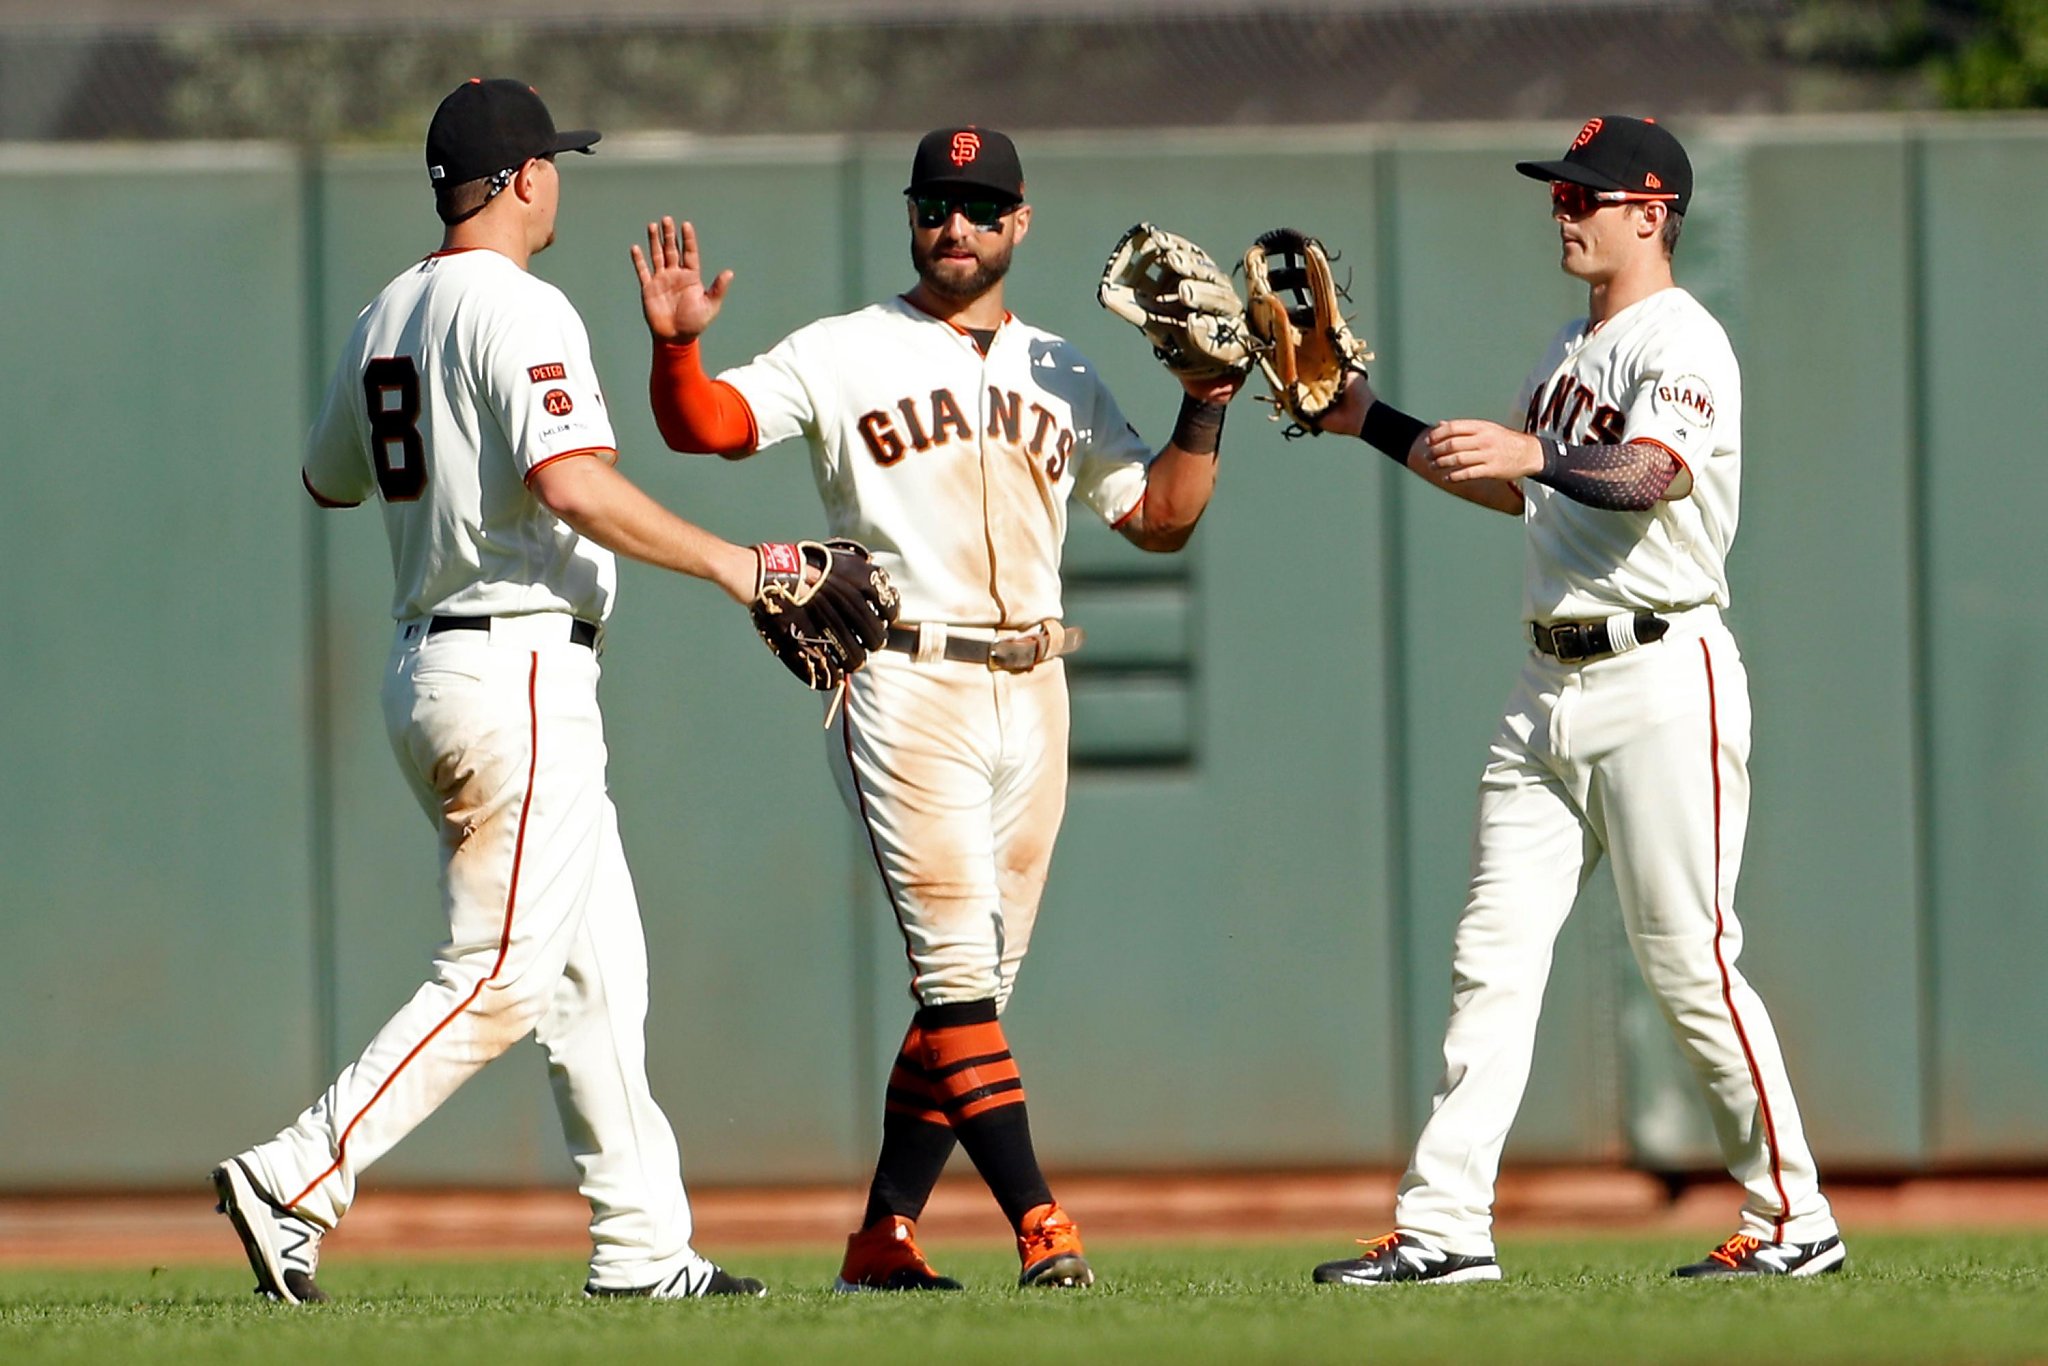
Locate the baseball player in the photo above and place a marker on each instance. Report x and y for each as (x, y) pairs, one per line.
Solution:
(1627, 733)
(465, 400)
(949, 436)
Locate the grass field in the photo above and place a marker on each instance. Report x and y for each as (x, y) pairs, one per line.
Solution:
(1902, 1298)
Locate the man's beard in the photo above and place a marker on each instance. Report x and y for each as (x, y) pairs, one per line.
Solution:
(985, 276)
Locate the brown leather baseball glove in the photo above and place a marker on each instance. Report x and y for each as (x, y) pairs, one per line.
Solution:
(822, 628)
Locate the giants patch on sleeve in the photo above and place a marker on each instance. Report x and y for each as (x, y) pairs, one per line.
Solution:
(1687, 398)
(541, 374)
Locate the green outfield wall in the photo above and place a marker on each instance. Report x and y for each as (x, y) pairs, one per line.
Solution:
(213, 885)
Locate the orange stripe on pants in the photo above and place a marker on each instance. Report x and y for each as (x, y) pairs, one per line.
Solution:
(504, 941)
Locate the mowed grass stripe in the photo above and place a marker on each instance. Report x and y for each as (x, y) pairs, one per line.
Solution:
(1904, 1298)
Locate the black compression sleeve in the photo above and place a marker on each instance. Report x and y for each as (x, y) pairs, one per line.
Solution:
(1199, 428)
(1390, 431)
(1626, 478)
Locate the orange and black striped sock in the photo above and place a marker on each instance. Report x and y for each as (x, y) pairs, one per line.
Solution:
(917, 1139)
(975, 1081)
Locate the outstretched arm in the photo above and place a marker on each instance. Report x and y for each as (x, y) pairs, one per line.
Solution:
(1182, 477)
(599, 502)
(1629, 476)
(1408, 442)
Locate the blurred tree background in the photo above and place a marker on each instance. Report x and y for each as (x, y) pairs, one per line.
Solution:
(1973, 54)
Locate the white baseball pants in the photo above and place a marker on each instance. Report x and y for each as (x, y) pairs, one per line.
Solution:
(958, 776)
(500, 737)
(1642, 756)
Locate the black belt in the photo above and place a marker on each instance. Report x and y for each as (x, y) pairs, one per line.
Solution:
(581, 632)
(1570, 642)
(1015, 655)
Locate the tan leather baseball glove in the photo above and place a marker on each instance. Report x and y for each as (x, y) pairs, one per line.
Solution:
(1174, 292)
(1300, 336)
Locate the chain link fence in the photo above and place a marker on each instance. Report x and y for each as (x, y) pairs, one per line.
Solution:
(1177, 65)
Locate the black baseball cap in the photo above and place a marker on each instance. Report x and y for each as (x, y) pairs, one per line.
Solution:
(1616, 152)
(971, 160)
(486, 126)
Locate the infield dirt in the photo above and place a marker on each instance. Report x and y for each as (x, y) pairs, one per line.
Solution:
(167, 1227)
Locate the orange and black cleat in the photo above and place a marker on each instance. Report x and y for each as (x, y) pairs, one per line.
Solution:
(885, 1256)
(1049, 1245)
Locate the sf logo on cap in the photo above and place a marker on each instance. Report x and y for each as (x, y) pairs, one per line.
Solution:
(1586, 134)
(966, 147)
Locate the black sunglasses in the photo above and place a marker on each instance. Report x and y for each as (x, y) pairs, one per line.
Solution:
(933, 211)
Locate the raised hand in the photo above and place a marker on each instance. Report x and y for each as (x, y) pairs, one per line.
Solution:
(674, 297)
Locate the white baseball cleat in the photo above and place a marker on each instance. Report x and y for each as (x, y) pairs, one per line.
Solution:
(1743, 1255)
(284, 1250)
(1396, 1257)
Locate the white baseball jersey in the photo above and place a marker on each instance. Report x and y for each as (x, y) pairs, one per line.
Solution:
(1661, 370)
(464, 376)
(953, 467)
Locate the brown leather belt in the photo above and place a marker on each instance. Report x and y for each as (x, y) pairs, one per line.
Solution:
(581, 632)
(1012, 654)
(1572, 642)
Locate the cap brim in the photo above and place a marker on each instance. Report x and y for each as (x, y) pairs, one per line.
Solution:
(1569, 171)
(975, 187)
(577, 140)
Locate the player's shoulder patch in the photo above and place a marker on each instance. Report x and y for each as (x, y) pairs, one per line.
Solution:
(1688, 398)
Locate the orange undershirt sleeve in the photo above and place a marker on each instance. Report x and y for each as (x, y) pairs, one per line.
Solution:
(696, 413)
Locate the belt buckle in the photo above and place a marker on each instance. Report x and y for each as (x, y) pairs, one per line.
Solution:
(1017, 655)
(1568, 642)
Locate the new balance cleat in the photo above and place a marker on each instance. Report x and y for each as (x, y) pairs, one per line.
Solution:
(283, 1249)
(698, 1279)
(1398, 1257)
(885, 1256)
(1049, 1246)
(1743, 1255)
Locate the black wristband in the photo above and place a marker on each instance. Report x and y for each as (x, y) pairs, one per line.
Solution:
(1390, 431)
(1199, 428)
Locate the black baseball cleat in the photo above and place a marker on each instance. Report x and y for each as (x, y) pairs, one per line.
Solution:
(283, 1249)
(698, 1280)
(1398, 1257)
(1743, 1255)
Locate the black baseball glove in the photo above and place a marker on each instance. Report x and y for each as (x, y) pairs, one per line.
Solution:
(821, 629)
